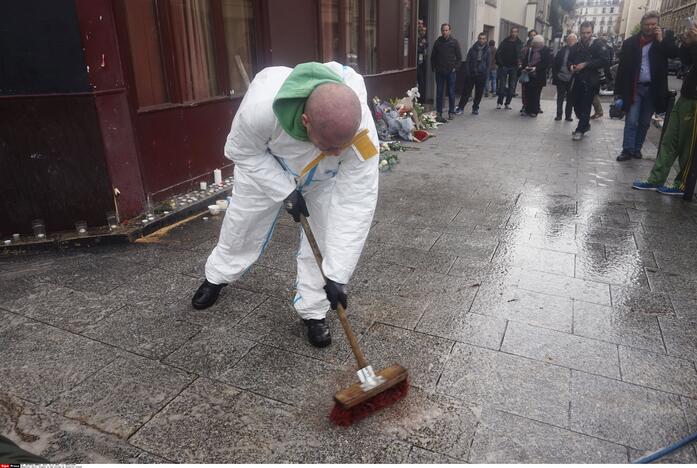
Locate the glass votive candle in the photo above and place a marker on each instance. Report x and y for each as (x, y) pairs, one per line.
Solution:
(81, 227)
(111, 220)
(39, 228)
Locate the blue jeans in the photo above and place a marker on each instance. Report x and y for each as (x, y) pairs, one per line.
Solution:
(490, 78)
(441, 79)
(638, 120)
(507, 82)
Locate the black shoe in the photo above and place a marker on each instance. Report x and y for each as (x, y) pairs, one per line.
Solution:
(638, 155)
(557, 118)
(206, 295)
(624, 156)
(569, 119)
(450, 116)
(440, 119)
(539, 111)
(318, 333)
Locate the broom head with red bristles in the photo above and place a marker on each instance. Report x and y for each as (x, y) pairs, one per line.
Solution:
(355, 403)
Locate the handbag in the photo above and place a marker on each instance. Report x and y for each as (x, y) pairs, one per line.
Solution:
(524, 76)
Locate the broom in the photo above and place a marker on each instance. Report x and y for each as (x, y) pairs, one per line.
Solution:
(374, 391)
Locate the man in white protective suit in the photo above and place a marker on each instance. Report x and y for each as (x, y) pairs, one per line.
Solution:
(303, 139)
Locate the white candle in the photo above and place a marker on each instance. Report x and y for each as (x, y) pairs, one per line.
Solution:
(218, 176)
(15, 236)
(203, 185)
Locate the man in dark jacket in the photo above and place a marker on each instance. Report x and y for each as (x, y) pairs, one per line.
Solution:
(561, 78)
(477, 66)
(680, 134)
(586, 59)
(445, 60)
(508, 59)
(642, 81)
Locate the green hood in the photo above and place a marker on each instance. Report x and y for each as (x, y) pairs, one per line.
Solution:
(289, 103)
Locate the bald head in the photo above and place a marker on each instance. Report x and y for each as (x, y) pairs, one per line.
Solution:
(332, 117)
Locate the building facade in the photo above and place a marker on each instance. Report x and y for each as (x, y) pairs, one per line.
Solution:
(604, 14)
(632, 11)
(675, 14)
(106, 104)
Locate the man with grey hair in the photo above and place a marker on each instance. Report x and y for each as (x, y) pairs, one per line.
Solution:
(303, 139)
(561, 78)
(642, 81)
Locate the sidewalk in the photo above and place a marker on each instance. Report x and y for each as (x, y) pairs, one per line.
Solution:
(545, 310)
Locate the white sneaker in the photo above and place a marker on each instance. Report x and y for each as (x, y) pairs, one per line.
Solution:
(498, 106)
(576, 136)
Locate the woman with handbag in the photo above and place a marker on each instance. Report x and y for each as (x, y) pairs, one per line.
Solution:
(534, 75)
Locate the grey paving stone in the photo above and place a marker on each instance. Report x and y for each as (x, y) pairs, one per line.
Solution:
(155, 285)
(94, 274)
(642, 301)
(148, 332)
(415, 258)
(65, 308)
(39, 362)
(424, 356)
(379, 276)
(685, 307)
(690, 408)
(507, 438)
(122, 396)
(63, 440)
(639, 417)
(562, 349)
(280, 256)
(435, 285)
(564, 286)
(212, 353)
(514, 384)
(423, 456)
(391, 309)
(465, 246)
(438, 423)
(680, 337)
(615, 254)
(535, 259)
(525, 306)
(193, 233)
(625, 269)
(617, 326)
(287, 377)
(670, 282)
(211, 422)
(403, 235)
(450, 319)
(658, 371)
(175, 260)
(475, 270)
(269, 281)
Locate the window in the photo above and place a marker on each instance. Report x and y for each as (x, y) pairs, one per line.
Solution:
(329, 29)
(370, 50)
(406, 31)
(189, 50)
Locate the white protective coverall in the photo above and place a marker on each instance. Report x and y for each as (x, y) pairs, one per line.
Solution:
(340, 192)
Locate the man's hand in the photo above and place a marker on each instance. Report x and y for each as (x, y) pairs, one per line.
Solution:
(336, 294)
(578, 67)
(295, 205)
(658, 33)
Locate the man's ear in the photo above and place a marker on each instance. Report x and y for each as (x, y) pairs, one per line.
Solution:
(305, 120)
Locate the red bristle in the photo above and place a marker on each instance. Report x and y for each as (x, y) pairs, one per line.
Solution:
(346, 417)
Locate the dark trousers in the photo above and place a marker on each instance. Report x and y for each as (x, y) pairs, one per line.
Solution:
(583, 93)
(476, 82)
(507, 81)
(532, 93)
(564, 92)
(421, 81)
(443, 80)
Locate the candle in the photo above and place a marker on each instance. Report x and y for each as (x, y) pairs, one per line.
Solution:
(203, 185)
(218, 176)
(15, 236)
(8, 241)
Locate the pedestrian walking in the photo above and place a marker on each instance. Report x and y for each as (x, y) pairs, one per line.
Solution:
(287, 118)
(422, 60)
(523, 95)
(508, 62)
(490, 84)
(446, 58)
(535, 65)
(680, 135)
(561, 78)
(642, 81)
(476, 68)
(587, 57)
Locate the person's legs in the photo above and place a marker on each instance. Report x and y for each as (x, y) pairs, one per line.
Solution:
(631, 123)
(487, 77)
(479, 84)
(512, 79)
(597, 106)
(569, 96)
(493, 78)
(583, 101)
(501, 85)
(246, 230)
(421, 81)
(440, 83)
(561, 93)
(533, 102)
(687, 143)
(677, 140)
(643, 122)
(452, 80)
(466, 92)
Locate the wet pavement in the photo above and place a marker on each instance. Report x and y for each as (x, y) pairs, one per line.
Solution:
(546, 312)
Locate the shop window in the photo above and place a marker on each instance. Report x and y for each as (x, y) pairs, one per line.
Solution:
(146, 52)
(238, 23)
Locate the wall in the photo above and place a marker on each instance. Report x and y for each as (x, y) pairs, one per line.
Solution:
(513, 10)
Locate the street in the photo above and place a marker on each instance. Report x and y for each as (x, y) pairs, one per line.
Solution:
(547, 313)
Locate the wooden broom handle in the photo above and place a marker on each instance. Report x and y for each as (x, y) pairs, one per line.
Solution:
(357, 352)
